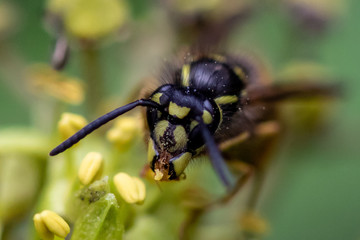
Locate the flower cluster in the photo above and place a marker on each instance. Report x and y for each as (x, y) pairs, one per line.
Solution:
(102, 188)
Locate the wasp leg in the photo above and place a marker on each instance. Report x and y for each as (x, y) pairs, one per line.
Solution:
(265, 130)
(216, 158)
(245, 172)
(190, 223)
(254, 226)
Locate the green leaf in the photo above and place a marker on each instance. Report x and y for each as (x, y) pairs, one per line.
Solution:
(80, 200)
(101, 221)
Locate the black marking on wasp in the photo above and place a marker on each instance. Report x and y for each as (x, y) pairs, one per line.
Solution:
(200, 101)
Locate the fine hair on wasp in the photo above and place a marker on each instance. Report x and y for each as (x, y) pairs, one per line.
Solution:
(207, 102)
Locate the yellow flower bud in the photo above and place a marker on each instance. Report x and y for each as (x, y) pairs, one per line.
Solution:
(131, 189)
(48, 224)
(47, 81)
(91, 168)
(58, 6)
(8, 18)
(93, 19)
(41, 228)
(124, 132)
(70, 123)
(254, 224)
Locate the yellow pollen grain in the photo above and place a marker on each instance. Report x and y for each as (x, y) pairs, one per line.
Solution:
(158, 175)
(156, 97)
(91, 168)
(55, 224)
(207, 118)
(185, 75)
(131, 189)
(41, 228)
(70, 123)
(226, 99)
(178, 111)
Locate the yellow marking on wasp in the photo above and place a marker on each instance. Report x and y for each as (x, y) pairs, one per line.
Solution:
(156, 97)
(151, 151)
(178, 111)
(199, 150)
(181, 162)
(218, 58)
(240, 73)
(180, 138)
(207, 118)
(193, 124)
(226, 99)
(185, 75)
(160, 129)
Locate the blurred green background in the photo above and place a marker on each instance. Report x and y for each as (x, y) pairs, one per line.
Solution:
(314, 191)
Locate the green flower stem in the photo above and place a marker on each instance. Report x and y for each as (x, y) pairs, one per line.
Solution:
(115, 163)
(69, 165)
(93, 77)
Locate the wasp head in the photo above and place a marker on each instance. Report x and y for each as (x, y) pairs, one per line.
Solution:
(175, 136)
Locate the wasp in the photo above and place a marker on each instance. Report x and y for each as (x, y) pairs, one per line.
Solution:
(205, 105)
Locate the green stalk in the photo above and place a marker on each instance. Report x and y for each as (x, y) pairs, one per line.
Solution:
(69, 165)
(92, 74)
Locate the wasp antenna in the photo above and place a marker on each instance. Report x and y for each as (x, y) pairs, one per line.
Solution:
(216, 159)
(99, 122)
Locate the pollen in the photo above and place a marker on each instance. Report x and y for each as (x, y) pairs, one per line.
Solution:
(48, 223)
(158, 175)
(91, 168)
(47, 81)
(131, 189)
(124, 132)
(70, 123)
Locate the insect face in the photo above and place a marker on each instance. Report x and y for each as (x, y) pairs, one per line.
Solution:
(174, 131)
